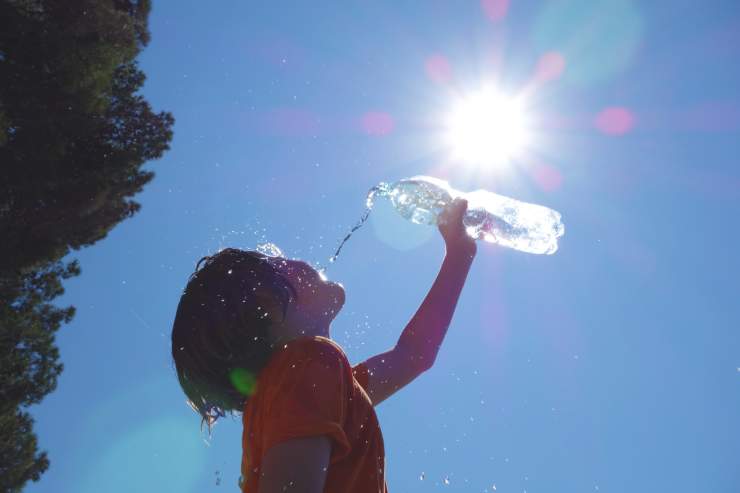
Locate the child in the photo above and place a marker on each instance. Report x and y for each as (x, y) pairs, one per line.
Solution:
(251, 334)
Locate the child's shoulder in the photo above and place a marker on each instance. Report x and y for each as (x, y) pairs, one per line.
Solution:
(316, 348)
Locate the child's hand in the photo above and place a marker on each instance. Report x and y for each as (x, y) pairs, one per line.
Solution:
(451, 226)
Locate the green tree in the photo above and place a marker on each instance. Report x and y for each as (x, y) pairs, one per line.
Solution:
(74, 134)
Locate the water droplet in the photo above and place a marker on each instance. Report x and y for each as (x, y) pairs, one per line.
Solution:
(421, 476)
(447, 480)
(229, 271)
(493, 488)
(382, 190)
(269, 249)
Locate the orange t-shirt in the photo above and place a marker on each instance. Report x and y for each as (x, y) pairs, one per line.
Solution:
(308, 388)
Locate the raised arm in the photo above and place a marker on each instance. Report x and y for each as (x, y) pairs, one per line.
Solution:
(419, 343)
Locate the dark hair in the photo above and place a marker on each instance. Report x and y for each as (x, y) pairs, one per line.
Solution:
(220, 337)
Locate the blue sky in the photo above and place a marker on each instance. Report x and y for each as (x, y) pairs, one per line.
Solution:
(611, 366)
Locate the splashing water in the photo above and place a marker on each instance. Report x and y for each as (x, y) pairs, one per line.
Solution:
(269, 249)
(272, 250)
(382, 190)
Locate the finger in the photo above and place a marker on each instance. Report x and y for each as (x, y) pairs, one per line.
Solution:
(446, 211)
(453, 212)
(460, 205)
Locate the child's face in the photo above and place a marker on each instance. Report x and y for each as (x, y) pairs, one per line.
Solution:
(317, 300)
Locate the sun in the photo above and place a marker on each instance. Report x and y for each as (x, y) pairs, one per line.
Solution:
(487, 128)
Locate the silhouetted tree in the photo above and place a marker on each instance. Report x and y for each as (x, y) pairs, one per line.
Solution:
(74, 134)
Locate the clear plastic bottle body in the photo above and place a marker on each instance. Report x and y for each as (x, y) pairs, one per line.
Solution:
(420, 199)
(494, 218)
(511, 223)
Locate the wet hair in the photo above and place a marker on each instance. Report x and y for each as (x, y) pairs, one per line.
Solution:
(220, 336)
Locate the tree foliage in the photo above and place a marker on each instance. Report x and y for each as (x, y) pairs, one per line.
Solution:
(74, 134)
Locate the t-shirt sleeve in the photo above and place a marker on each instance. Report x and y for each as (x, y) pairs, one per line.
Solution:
(360, 372)
(309, 398)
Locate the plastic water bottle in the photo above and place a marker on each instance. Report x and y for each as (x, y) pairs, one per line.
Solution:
(491, 217)
(494, 218)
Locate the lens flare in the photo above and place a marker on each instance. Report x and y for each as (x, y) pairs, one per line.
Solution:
(495, 10)
(547, 177)
(550, 66)
(487, 127)
(243, 381)
(377, 123)
(615, 121)
(598, 39)
(438, 69)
